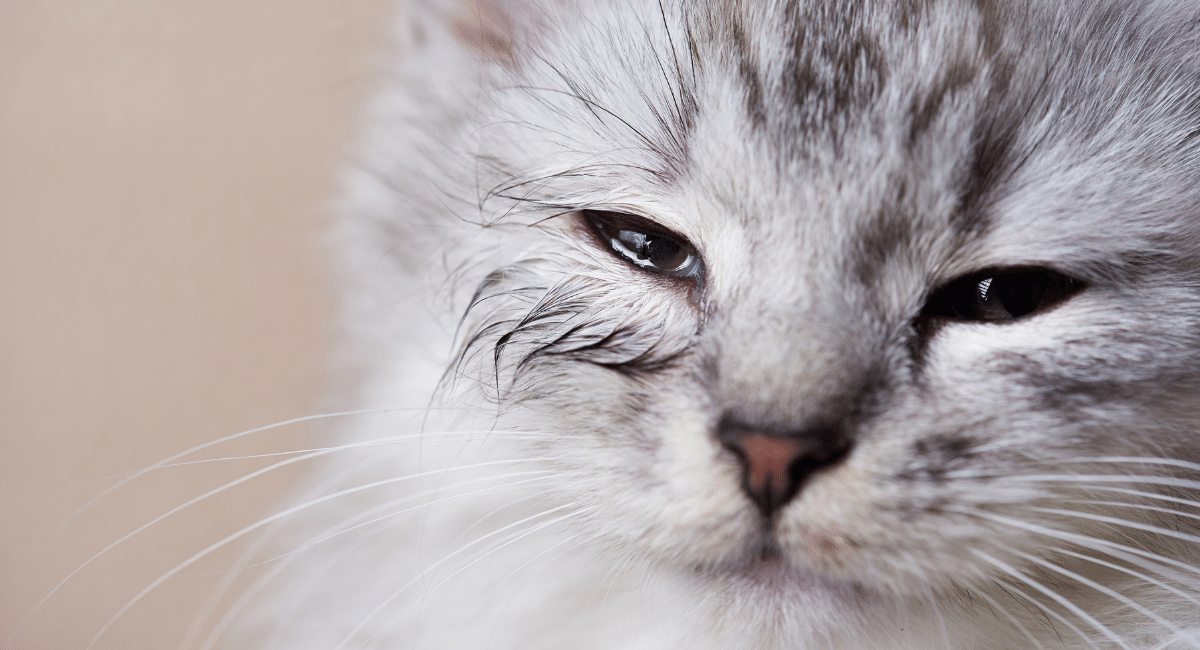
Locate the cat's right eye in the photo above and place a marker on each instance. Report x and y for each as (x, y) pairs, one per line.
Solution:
(1001, 296)
(644, 244)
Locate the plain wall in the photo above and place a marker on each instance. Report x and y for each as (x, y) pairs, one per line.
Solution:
(165, 171)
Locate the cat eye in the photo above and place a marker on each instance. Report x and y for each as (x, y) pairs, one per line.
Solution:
(1001, 296)
(644, 244)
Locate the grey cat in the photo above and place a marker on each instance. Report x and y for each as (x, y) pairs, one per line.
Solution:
(831, 324)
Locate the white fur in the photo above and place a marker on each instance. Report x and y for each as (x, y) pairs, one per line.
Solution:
(616, 518)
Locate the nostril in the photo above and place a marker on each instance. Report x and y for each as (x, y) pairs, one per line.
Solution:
(775, 466)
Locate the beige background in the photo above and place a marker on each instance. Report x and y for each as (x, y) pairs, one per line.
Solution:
(164, 171)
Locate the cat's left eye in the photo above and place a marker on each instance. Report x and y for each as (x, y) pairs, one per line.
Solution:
(1001, 296)
(644, 244)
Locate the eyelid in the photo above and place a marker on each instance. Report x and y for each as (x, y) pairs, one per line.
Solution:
(604, 224)
(959, 299)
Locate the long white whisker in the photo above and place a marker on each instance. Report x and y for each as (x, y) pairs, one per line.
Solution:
(1030, 604)
(1094, 543)
(1083, 478)
(1137, 506)
(378, 608)
(1139, 460)
(66, 523)
(1151, 495)
(612, 579)
(484, 598)
(260, 542)
(1136, 574)
(1010, 616)
(482, 555)
(1056, 597)
(1117, 521)
(213, 492)
(240, 533)
(1125, 600)
(582, 540)
(340, 529)
(489, 552)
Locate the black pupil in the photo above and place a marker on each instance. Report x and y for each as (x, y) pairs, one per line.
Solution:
(661, 252)
(1001, 297)
(1011, 296)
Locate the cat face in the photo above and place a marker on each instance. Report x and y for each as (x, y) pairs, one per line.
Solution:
(890, 300)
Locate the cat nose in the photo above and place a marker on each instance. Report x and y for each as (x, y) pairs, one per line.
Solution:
(775, 466)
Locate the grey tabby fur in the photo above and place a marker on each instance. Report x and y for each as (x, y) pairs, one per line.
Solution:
(1023, 484)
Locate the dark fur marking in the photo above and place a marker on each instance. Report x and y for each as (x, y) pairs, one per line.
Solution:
(748, 73)
(936, 456)
(879, 239)
(829, 76)
(924, 109)
(993, 140)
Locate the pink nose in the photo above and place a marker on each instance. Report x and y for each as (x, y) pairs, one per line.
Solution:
(775, 466)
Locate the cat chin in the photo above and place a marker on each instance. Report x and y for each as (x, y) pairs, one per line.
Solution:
(766, 578)
(771, 575)
(769, 601)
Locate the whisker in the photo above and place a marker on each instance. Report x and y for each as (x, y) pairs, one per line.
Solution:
(1136, 506)
(1123, 599)
(182, 506)
(1083, 478)
(1056, 597)
(243, 531)
(414, 497)
(1094, 543)
(339, 529)
(996, 606)
(504, 609)
(484, 554)
(378, 608)
(1117, 521)
(260, 542)
(611, 578)
(484, 598)
(1152, 495)
(1141, 576)
(1139, 460)
(1032, 606)
(129, 477)
(1048, 613)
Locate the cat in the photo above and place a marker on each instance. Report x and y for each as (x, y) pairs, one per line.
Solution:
(775, 324)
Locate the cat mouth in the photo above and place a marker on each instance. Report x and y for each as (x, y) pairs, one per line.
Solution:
(768, 577)
(768, 567)
(768, 563)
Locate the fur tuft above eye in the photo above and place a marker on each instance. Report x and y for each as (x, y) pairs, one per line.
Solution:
(644, 244)
(1001, 296)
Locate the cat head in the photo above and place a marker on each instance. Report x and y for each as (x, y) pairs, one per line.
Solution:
(888, 299)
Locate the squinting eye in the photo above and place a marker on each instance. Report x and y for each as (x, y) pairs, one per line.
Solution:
(1001, 296)
(644, 244)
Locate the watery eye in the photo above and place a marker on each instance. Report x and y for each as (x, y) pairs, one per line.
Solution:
(644, 244)
(1002, 296)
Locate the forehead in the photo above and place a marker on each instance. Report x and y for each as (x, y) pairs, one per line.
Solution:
(841, 143)
(940, 136)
